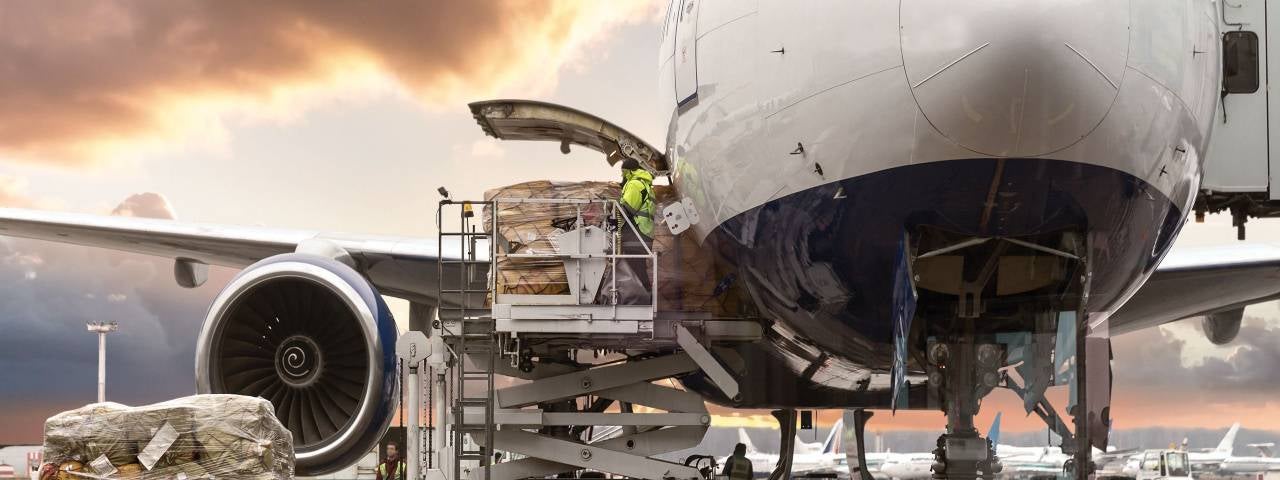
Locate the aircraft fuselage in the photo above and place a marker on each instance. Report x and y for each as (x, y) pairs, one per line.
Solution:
(821, 140)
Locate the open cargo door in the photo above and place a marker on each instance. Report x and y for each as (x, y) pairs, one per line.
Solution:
(533, 120)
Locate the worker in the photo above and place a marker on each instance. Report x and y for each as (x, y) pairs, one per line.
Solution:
(637, 199)
(737, 467)
(393, 467)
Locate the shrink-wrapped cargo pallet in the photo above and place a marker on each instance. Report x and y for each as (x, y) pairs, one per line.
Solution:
(202, 436)
(528, 228)
(686, 273)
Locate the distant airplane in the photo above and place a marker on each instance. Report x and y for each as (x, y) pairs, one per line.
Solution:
(1223, 461)
(1264, 461)
(1015, 461)
(1209, 461)
(809, 458)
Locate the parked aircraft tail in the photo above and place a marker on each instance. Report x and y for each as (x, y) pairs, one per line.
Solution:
(744, 439)
(832, 444)
(1228, 443)
(994, 433)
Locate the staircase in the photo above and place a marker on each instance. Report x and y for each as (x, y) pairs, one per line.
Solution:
(464, 289)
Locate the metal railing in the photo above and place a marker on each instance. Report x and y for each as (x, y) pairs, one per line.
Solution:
(613, 215)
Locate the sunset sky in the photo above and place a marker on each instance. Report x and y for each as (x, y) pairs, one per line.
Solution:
(345, 117)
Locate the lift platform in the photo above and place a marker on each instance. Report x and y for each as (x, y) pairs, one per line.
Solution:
(507, 395)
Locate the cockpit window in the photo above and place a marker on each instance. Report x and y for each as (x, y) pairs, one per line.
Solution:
(1240, 62)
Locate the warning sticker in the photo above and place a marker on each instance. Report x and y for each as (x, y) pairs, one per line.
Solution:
(159, 444)
(103, 466)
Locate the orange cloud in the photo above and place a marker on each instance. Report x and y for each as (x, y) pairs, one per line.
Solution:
(77, 82)
(12, 192)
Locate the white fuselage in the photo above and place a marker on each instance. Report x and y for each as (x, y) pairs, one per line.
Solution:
(870, 86)
(907, 466)
(811, 136)
(1244, 465)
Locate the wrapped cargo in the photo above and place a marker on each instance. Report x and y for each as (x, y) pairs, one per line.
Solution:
(202, 436)
(531, 228)
(687, 276)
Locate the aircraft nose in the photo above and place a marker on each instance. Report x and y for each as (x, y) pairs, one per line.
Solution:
(1014, 77)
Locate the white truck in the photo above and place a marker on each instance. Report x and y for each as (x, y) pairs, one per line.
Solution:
(1164, 465)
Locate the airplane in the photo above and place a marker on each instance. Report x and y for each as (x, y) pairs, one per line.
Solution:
(1015, 461)
(903, 196)
(807, 459)
(908, 466)
(1207, 461)
(1265, 461)
(1211, 460)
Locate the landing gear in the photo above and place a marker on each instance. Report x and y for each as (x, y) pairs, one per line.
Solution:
(1020, 320)
(787, 446)
(965, 372)
(859, 423)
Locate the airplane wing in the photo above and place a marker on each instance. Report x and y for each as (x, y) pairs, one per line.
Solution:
(398, 266)
(1200, 281)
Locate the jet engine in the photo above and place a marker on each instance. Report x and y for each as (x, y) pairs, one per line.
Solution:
(1222, 327)
(314, 337)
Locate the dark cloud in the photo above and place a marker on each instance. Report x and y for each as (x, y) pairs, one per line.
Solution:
(1152, 360)
(77, 75)
(49, 359)
(1254, 365)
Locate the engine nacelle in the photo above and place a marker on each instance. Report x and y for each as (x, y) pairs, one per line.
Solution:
(1222, 327)
(311, 335)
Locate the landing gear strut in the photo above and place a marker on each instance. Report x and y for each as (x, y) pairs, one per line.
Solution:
(859, 423)
(967, 373)
(787, 429)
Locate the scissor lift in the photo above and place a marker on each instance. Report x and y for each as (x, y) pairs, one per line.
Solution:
(540, 422)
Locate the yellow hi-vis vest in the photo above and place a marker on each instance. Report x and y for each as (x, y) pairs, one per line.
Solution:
(399, 473)
(637, 198)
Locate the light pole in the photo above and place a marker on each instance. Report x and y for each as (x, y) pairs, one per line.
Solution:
(102, 329)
